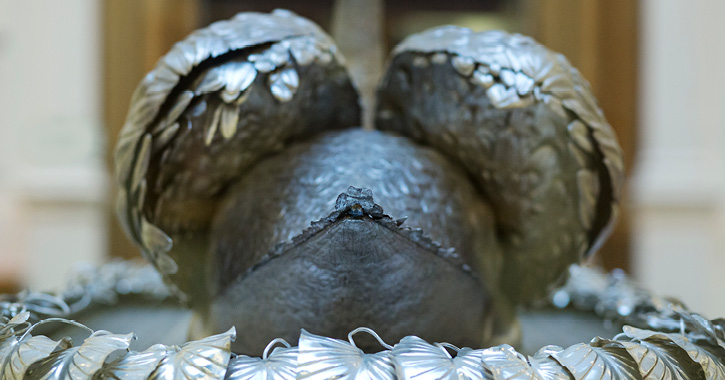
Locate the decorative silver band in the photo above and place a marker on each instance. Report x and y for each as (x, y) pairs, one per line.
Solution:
(662, 339)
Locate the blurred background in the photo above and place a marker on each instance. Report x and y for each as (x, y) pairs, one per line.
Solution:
(68, 69)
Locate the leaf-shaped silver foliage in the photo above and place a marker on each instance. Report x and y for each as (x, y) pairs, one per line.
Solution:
(547, 367)
(700, 327)
(281, 364)
(18, 319)
(326, 358)
(415, 358)
(133, 365)
(202, 359)
(19, 353)
(599, 360)
(659, 359)
(505, 363)
(10, 328)
(710, 358)
(80, 362)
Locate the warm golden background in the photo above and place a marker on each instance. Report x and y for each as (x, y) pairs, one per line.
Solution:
(67, 71)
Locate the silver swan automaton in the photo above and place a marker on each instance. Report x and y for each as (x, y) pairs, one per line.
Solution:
(248, 180)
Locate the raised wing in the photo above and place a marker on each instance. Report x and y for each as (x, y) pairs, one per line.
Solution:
(525, 125)
(218, 101)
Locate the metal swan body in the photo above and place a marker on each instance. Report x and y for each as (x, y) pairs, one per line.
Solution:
(245, 179)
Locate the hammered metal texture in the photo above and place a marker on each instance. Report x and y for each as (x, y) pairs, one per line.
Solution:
(281, 197)
(345, 271)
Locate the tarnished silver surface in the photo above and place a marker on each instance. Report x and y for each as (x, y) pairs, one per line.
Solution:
(356, 266)
(349, 271)
(416, 186)
(525, 125)
(691, 348)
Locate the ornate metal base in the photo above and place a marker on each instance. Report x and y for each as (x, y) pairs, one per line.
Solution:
(660, 339)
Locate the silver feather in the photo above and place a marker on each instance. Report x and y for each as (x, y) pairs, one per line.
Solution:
(238, 76)
(181, 104)
(229, 121)
(530, 134)
(143, 158)
(213, 125)
(482, 78)
(212, 80)
(284, 84)
(165, 136)
(588, 185)
(464, 65)
(157, 243)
